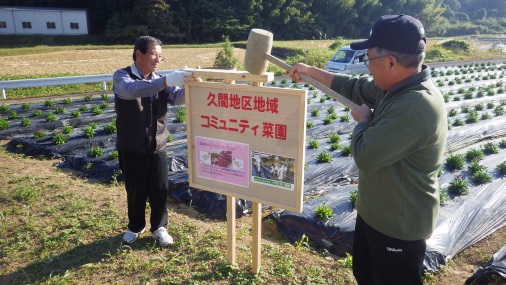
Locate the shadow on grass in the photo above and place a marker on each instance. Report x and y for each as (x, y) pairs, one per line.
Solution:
(71, 260)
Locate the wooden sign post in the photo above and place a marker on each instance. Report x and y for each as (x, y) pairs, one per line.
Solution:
(246, 142)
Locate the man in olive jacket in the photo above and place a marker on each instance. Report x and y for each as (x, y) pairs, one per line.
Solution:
(398, 146)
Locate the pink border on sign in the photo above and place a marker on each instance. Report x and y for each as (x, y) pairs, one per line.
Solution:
(223, 161)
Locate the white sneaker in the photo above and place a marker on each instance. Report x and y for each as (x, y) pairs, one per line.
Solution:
(130, 236)
(163, 237)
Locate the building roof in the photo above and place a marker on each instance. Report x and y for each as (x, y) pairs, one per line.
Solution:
(41, 8)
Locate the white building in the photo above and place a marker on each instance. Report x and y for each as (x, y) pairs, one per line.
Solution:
(43, 21)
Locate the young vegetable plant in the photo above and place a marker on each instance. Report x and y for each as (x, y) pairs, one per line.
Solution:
(454, 162)
(323, 212)
(346, 151)
(353, 198)
(324, 157)
(474, 155)
(501, 169)
(313, 144)
(458, 186)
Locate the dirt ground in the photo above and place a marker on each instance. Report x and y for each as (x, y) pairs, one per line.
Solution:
(107, 61)
(103, 61)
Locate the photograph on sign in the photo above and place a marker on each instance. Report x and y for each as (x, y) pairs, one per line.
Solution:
(273, 170)
(223, 161)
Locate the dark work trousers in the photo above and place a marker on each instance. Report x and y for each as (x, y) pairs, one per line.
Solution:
(382, 260)
(146, 177)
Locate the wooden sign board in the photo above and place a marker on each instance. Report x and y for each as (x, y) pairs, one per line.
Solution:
(247, 142)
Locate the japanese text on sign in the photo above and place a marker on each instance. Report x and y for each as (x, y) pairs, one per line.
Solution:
(243, 102)
(269, 130)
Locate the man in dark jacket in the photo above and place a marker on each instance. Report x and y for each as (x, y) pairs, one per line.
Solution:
(141, 98)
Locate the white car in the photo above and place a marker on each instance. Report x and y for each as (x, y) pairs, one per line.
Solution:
(349, 61)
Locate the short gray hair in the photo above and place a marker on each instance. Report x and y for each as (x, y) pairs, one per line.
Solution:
(404, 59)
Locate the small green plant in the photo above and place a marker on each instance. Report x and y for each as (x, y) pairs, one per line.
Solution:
(323, 212)
(501, 168)
(353, 198)
(476, 167)
(25, 122)
(67, 101)
(37, 113)
(346, 151)
(96, 110)
(25, 106)
(443, 197)
(310, 124)
(83, 108)
(68, 129)
(4, 108)
(345, 118)
(50, 117)
(328, 120)
(170, 138)
(490, 148)
(481, 177)
(303, 242)
(104, 96)
(180, 115)
(324, 157)
(75, 114)
(60, 110)
(112, 155)
(454, 162)
(58, 137)
(452, 113)
(95, 151)
(4, 124)
(334, 146)
(313, 144)
(499, 111)
(347, 261)
(88, 98)
(39, 134)
(12, 115)
(472, 117)
(458, 122)
(502, 144)
(111, 127)
(331, 110)
(103, 105)
(334, 138)
(88, 131)
(315, 112)
(225, 57)
(458, 186)
(474, 155)
(49, 103)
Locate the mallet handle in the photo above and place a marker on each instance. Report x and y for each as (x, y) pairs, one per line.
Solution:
(315, 83)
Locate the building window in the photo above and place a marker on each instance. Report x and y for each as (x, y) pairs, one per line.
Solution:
(74, 26)
(3, 25)
(27, 25)
(51, 25)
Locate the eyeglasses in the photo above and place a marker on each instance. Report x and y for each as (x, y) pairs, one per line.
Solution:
(367, 59)
(155, 55)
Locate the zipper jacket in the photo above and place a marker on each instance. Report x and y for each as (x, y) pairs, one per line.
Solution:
(141, 110)
(398, 153)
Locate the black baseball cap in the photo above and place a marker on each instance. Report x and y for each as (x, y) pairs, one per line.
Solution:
(400, 33)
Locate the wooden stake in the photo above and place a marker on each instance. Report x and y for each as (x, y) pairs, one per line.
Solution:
(231, 241)
(257, 237)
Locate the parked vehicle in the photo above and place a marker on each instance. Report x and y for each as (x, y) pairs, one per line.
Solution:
(347, 60)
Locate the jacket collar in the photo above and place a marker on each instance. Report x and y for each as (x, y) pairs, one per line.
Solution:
(137, 73)
(412, 80)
